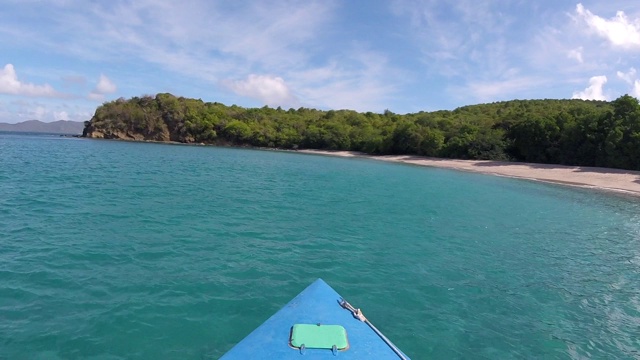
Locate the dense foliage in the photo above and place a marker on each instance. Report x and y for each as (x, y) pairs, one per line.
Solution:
(571, 132)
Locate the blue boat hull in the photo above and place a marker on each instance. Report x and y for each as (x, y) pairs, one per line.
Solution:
(318, 303)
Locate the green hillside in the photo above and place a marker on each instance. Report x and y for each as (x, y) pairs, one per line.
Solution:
(570, 132)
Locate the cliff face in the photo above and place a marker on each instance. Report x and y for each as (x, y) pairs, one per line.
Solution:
(160, 118)
(90, 131)
(137, 119)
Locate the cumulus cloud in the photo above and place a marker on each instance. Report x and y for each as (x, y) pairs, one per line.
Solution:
(619, 30)
(594, 91)
(636, 89)
(10, 84)
(105, 86)
(631, 78)
(61, 115)
(628, 77)
(271, 90)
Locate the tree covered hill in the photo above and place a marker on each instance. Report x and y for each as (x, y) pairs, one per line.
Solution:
(569, 132)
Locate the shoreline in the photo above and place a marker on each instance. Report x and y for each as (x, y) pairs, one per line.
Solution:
(605, 179)
(622, 182)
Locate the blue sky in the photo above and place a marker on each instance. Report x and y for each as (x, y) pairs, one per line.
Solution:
(60, 59)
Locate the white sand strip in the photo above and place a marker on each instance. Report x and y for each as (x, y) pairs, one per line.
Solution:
(626, 181)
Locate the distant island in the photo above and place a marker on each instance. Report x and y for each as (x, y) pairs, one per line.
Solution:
(36, 126)
(566, 132)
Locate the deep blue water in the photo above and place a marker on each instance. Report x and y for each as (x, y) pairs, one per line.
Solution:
(119, 250)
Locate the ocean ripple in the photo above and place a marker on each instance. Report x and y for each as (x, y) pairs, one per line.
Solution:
(115, 250)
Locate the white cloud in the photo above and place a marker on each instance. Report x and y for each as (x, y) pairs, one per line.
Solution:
(9, 84)
(361, 79)
(209, 41)
(60, 115)
(204, 39)
(461, 38)
(251, 44)
(38, 113)
(271, 90)
(297, 52)
(104, 86)
(629, 76)
(636, 89)
(576, 54)
(594, 91)
(619, 30)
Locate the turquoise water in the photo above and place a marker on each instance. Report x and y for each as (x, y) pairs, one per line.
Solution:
(116, 250)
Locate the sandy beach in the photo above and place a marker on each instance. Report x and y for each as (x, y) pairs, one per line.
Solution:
(622, 181)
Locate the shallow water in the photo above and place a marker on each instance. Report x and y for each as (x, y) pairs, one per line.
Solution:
(117, 250)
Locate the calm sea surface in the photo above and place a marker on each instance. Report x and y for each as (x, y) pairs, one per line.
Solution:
(117, 250)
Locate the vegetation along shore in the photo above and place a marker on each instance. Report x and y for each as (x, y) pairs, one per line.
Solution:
(580, 137)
